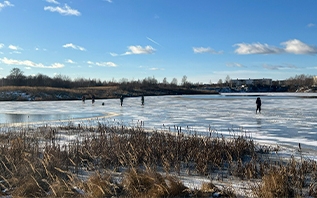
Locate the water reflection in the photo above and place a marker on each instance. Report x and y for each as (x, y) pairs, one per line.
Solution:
(24, 118)
(259, 122)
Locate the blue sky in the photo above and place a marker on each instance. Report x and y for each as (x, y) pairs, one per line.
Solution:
(206, 40)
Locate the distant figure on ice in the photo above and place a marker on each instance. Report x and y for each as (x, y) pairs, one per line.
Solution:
(258, 105)
(93, 99)
(121, 100)
(83, 98)
(142, 100)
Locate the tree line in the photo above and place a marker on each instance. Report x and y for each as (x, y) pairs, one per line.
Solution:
(17, 78)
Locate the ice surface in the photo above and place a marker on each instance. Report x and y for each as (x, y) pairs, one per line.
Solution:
(286, 119)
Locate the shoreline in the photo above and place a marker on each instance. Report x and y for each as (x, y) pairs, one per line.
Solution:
(62, 94)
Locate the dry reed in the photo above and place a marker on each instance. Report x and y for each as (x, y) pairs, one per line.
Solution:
(37, 162)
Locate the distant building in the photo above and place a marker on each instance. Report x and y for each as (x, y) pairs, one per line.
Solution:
(315, 80)
(251, 82)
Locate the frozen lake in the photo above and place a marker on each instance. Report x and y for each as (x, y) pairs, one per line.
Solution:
(286, 119)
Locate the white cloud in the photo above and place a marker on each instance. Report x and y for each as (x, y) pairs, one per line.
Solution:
(29, 63)
(109, 1)
(297, 47)
(76, 47)
(1, 45)
(311, 25)
(291, 46)
(66, 10)
(106, 64)
(256, 48)
(38, 49)
(140, 50)
(201, 50)
(52, 1)
(15, 52)
(15, 48)
(113, 54)
(155, 69)
(5, 4)
(278, 67)
(234, 65)
(102, 64)
(70, 61)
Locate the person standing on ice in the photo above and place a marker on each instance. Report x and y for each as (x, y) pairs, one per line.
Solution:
(258, 105)
(93, 99)
(121, 100)
(142, 99)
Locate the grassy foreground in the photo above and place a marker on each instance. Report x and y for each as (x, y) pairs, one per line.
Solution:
(121, 161)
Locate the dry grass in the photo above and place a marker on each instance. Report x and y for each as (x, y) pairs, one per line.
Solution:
(38, 163)
(53, 93)
(295, 178)
(149, 183)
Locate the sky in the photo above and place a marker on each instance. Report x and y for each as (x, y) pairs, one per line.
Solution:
(204, 40)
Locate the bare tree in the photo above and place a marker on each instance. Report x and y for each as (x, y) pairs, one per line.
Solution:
(165, 81)
(16, 76)
(184, 80)
(228, 80)
(174, 81)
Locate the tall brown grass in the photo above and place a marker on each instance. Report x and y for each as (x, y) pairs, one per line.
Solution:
(36, 162)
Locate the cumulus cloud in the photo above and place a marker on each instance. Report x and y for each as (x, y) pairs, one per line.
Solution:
(139, 50)
(66, 10)
(5, 4)
(297, 47)
(102, 64)
(1, 45)
(76, 47)
(201, 50)
(70, 61)
(52, 1)
(15, 48)
(29, 63)
(291, 46)
(256, 48)
(106, 64)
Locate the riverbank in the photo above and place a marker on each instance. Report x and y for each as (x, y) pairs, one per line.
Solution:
(25, 93)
